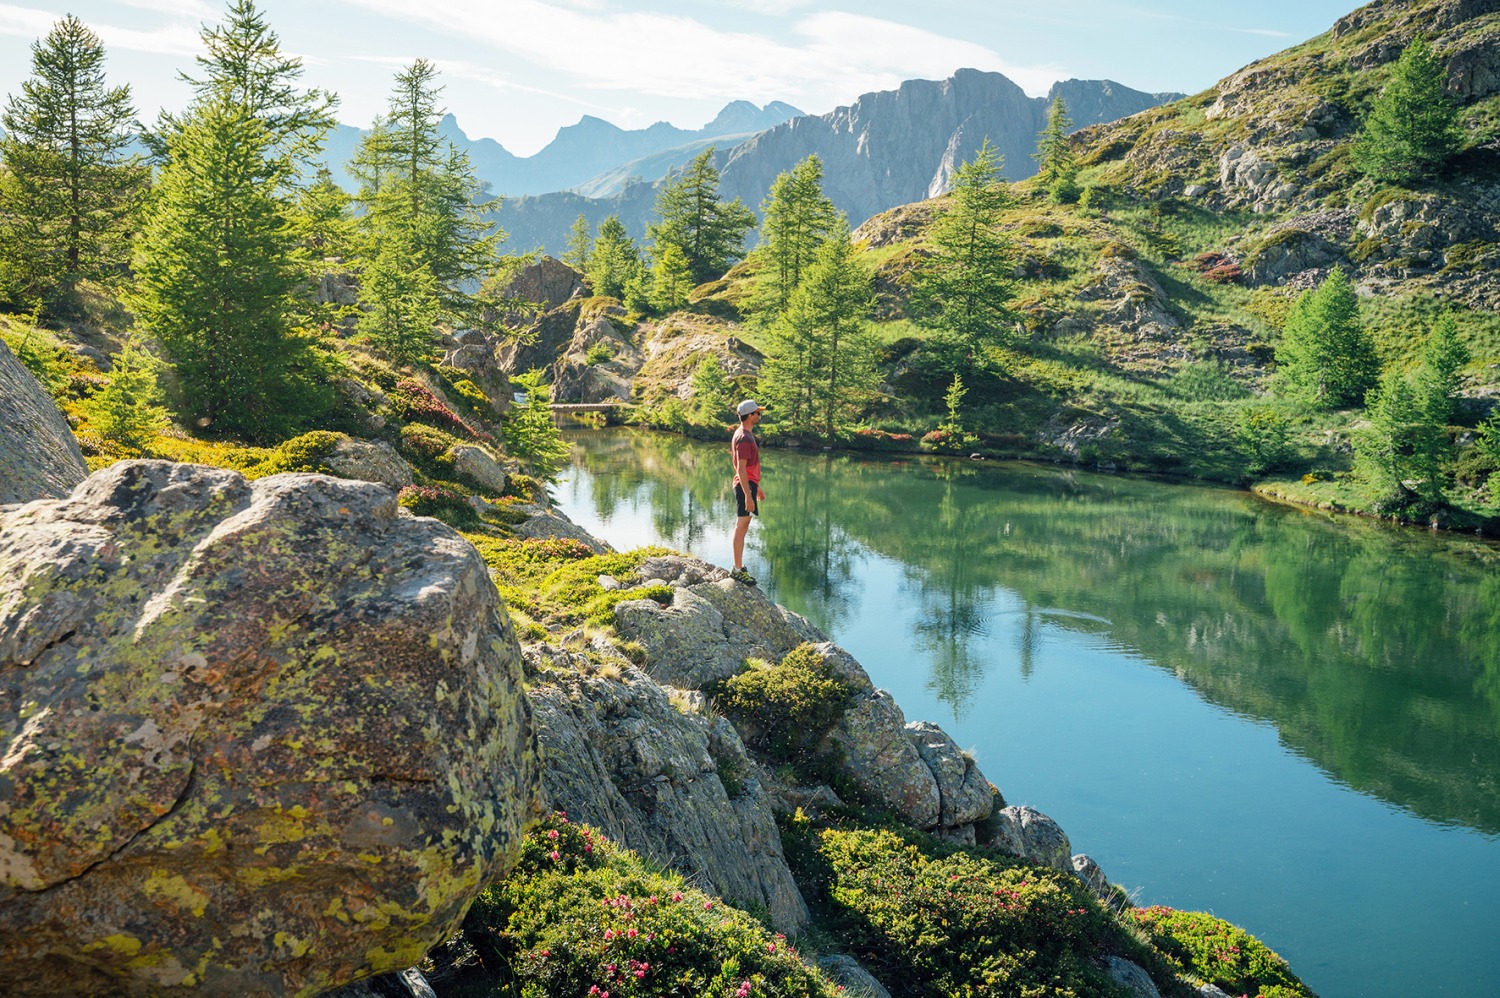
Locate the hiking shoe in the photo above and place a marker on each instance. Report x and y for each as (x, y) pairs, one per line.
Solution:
(743, 577)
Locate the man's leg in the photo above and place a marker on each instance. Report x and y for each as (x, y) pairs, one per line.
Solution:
(741, 528)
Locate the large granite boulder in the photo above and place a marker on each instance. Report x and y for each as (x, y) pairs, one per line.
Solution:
(261, 738)
(39, 459)
(673, 784)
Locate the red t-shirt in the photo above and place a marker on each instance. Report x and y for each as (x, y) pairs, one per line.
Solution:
(744, 448)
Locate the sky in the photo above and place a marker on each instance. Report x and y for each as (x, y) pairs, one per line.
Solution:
(517, 70)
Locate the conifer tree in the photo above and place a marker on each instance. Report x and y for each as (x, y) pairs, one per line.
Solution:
(1412, 129)
(1058, 167)
(1325, 357)
(70, 193)
(963, 290)
(1398, 455)
(796, 218)
(708, 233)
(614, 260)
(580, 245)
(1443, 356)
(671, 279)
(713, 392)
(217, 277)
(128, 411)
(244, 65)
(819, 371)
(419, 192)
(324, 219)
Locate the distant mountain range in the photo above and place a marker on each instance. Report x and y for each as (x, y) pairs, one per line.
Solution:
(886, 149)
(593, 155)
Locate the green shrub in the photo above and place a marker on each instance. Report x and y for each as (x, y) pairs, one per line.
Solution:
(1219, 953)
(580, 916)
(598, 354)
(426, 443)
(306, 453)
(939, 921)
(787, 708)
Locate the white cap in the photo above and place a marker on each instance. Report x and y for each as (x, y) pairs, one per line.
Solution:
(746, 407)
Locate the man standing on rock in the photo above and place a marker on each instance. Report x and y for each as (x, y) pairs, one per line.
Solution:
(745, 453)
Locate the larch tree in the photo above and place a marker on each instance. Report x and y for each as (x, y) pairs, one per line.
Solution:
(614, 260)
(796, 219)
(819, 371)
(243, 64)
(963, 290)
(217, 278)
(221, 280)
(580, 244)
(70, 192)
(1325, 357)
(1413, 126)
(708, 233)
(428, 243)
(1057, 165)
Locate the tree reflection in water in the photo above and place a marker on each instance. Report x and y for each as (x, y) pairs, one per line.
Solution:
(1375, 652)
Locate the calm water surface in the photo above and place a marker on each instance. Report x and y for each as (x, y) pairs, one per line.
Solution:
(1290, 721)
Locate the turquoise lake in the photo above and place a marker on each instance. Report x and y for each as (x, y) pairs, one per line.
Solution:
(1287, 719)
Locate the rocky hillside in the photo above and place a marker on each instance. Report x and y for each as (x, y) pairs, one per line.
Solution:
(886, 149)
(270, 733)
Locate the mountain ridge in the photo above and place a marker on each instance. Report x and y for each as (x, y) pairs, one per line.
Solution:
(884, 149)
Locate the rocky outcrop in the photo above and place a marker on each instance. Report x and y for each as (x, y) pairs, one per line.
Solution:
(964, 794)
(543, 521)
(369, 461)
(714, 624)
(39, 459)
(710, 629)
(544, 285)
(481, 357)
(261, 738)
(1308, 244)
(580, 376)
(671, 782)
(1029, 834)
(479, 466)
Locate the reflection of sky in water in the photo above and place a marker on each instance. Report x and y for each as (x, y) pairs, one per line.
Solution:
(1184, 770)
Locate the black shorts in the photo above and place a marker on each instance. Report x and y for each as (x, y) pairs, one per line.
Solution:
(740, 506)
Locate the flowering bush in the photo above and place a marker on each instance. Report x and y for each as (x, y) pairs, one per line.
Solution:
(940, 921)
(1219, 953)
(446, 502)
(580, 916)
(415, 401)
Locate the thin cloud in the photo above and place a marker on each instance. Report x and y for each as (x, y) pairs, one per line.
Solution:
(690, 60)
(173, 39)
(175, 8)
(25, 22)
